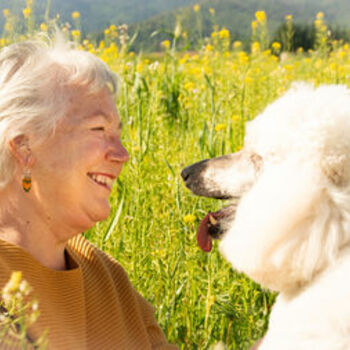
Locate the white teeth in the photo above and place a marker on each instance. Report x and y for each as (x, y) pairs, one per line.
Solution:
(105, 180)
(101, 179)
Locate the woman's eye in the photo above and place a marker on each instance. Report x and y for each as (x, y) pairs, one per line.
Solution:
(98, 128)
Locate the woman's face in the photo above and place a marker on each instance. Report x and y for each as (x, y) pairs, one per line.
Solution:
(74, 170)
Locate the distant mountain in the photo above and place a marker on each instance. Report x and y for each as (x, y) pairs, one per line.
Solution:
(97, 14)
(236, 15)
(150, 16)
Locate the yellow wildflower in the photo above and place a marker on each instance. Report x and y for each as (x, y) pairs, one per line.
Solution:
(320, 15)
(224, 33)
(75, 33)
(317, 23)
(184, 59)
(237, 44)
(219, 127)
(276, 46)
(195, 71)
(6, 12)
(26, 12)
(243, 57)
(333, 66)
(189, 86)
(208, 47)
(341, 54)
(300, 50)
(112, 28)
(288, 67)
(248, 80)
(255, 47)
(14, 282)
(189, 219)
(43, 27)
(139, 67)
(196, 8)
(107, 31)
(289, 18)
(212, 11)
(165, 44)
(75, 14)
(236, 118)
(260, 16)
(254, 25)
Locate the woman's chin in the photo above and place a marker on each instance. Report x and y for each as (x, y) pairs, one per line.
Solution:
(102, 213)
(94, 214)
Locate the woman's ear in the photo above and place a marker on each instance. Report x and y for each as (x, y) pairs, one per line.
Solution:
(20, 149)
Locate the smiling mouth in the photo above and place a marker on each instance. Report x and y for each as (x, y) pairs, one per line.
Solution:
(102, 180)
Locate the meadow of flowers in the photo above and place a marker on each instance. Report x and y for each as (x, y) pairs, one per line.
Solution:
(177, 108)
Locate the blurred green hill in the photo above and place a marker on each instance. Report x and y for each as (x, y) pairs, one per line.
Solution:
(150, 16)
(236, 15)
(97, 14)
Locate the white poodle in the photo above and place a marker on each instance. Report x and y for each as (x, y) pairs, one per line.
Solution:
(289, 229)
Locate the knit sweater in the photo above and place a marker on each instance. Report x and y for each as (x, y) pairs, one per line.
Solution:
(92, 305)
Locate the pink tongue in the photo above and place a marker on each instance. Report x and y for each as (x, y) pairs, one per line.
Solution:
(203, 237)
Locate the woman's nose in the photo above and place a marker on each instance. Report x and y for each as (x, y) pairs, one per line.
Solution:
(117, 152)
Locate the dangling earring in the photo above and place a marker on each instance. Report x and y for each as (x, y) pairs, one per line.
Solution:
(26, 180)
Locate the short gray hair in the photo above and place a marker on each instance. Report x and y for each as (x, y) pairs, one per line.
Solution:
(35, 85)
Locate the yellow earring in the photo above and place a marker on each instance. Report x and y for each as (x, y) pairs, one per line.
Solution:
(26, 180)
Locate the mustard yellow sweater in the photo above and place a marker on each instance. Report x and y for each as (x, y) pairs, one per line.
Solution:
(92, 305)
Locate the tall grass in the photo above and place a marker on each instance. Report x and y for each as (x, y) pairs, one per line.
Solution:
(178, 108)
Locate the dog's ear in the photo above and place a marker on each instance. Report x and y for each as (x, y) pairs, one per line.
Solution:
(335, 168)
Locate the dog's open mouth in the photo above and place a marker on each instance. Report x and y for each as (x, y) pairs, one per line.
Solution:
(210, 227)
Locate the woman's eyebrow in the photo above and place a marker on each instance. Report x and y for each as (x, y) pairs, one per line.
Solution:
(105, 116)
(99, 114)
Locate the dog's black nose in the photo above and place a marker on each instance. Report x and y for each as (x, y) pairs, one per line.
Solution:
(185, 173)
(192, 172)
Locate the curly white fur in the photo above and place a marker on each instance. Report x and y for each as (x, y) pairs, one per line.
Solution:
(292, 227)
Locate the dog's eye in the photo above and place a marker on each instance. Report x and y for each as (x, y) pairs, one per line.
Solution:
(257, 161)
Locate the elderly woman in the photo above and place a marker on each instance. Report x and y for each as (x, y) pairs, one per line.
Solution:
(60, 154)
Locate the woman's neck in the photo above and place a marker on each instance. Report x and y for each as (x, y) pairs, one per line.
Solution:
(21, 223)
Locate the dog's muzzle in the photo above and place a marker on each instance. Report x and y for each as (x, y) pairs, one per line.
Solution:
(211, 225)
(194, 181)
